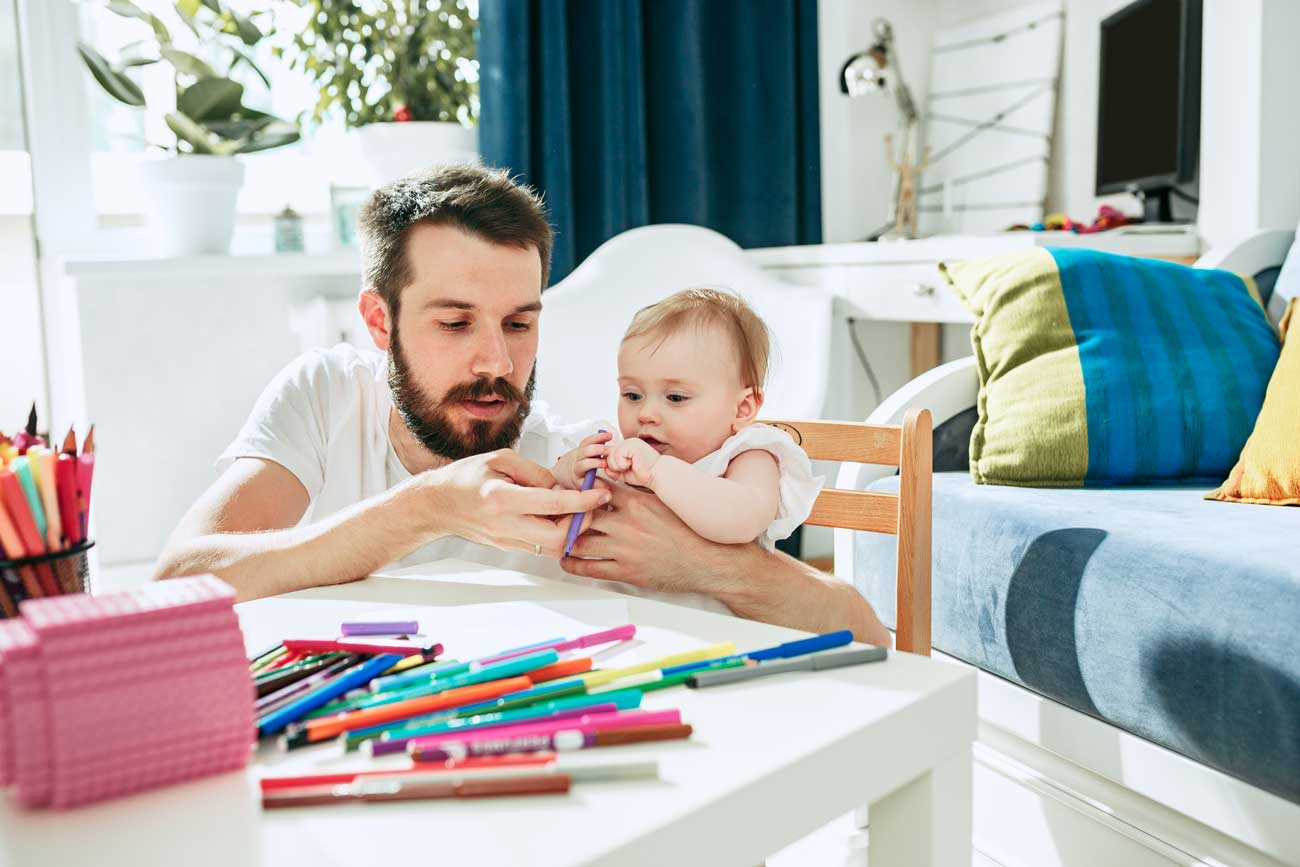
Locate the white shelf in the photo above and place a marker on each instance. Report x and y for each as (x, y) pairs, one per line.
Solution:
(341, 263)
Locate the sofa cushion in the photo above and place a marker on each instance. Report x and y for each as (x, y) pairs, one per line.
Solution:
(1165, 614)
(1269, 469)
(1104, 369)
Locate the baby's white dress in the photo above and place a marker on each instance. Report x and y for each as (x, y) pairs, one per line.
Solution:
(799, 487)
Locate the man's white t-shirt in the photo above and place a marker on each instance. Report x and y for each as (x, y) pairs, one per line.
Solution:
(324, 418)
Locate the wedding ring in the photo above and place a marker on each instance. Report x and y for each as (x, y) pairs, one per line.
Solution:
(537, 550)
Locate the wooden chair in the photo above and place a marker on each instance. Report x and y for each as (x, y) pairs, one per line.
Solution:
(905, 514)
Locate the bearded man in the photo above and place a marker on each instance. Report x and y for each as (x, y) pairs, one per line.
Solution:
(431, 448)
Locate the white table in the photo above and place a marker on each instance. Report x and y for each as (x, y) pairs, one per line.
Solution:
(771, 760)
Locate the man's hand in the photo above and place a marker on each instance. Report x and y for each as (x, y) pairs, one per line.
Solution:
(632, 461)
(499, 499)
(640, 541)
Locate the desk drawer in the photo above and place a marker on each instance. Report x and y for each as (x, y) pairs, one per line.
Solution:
(911, 292)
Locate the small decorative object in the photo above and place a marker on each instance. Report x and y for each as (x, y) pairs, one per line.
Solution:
(288, 231)
(345, 208)
(405, 76)
(877, 70)
(190, 196)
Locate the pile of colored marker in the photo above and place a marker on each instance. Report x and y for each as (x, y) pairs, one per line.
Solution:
(500, 724)
(44, 505)
(105, 695)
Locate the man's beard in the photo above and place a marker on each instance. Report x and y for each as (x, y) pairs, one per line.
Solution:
(431, 420)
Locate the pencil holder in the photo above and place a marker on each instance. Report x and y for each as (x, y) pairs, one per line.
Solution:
(52, 574)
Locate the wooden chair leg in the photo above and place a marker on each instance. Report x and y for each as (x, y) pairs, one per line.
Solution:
(914, 520)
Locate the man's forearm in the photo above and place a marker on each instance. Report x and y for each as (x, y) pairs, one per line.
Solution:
(775, 588)
(342, 547)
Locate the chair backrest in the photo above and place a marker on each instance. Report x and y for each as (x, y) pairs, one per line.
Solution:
(906, 514)
(587, 312)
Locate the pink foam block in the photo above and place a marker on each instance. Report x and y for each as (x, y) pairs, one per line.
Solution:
(102, 696)
(28, 714)
(159, 600)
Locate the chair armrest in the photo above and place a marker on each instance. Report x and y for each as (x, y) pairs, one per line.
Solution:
(947, 390)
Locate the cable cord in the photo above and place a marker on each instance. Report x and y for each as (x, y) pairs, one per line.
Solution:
(862, 357)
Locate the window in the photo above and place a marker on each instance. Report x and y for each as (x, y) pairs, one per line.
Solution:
(122, 135)
(20, 322)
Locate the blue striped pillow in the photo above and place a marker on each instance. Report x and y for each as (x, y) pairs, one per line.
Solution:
(1104, 369)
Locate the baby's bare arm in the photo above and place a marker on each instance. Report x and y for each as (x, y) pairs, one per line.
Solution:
(734, 508)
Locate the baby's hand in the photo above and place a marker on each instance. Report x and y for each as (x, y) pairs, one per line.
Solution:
(589, 455)
(632, 461)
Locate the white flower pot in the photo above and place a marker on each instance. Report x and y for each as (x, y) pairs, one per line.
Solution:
(190, 203)
(394, 150)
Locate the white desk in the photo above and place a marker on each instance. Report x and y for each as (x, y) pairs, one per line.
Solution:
(770, 761)
(899, 280)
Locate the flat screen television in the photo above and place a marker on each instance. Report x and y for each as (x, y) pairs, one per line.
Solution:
(1149, 101)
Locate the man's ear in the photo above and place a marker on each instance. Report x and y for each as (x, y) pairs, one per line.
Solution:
(379, 322)
(751, 401)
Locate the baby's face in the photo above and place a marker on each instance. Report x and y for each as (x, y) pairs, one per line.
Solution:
(681, 394)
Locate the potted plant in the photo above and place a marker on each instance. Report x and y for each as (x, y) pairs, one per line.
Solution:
(403, 74)
(190, 195)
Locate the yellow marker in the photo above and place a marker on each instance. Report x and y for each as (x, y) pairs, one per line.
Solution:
(407, 662)
(268, 659)
(596, 678)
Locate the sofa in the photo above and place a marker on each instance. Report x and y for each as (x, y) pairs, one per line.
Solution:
(1137, 646)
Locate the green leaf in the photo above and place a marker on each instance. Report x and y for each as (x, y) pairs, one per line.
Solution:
(187, 63)
(188, 131)
(248, 31)
(276, 135)
(239, 129)
(127, 9)
(248, 61)
(183, 8)
(136, 61)
(199, 139)
(211, 99)
(114, 83)
(214, 5)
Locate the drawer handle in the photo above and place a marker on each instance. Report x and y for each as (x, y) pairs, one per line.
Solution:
(923, 290)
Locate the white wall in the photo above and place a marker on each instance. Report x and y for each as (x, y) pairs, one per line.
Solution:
(21, 345)
(1250, 129)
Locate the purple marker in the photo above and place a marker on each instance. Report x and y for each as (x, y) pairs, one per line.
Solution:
(381, 627)
(587, 481)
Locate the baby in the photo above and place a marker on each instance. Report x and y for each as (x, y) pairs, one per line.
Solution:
(690, 375)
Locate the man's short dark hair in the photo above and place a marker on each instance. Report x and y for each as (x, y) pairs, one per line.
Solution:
(482, 201)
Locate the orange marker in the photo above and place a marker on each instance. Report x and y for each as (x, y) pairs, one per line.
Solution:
(328, 727)
(49, 499)
(563, 668)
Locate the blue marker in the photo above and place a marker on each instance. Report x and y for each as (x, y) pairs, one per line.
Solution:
(780, 651)
(587, 481)
(353, 677)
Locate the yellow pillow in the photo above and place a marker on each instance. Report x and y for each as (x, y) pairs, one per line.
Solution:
(1269, 469)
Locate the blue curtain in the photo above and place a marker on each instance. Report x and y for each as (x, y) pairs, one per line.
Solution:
(629, 112)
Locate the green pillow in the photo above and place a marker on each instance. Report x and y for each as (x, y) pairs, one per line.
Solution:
(1097, 369)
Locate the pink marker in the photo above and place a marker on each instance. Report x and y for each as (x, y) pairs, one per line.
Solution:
(562, 737)
(360, 645)
(618, 633)
(587, 722)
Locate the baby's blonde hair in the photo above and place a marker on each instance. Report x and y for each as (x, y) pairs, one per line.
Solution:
(703, 308)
